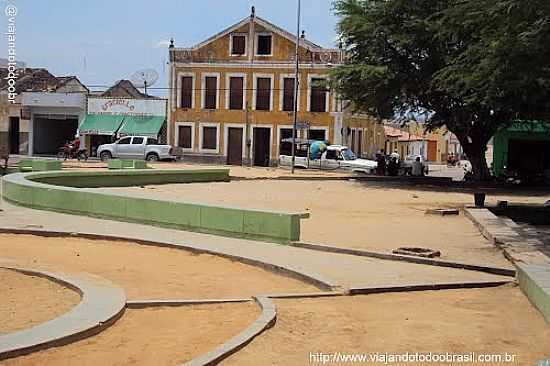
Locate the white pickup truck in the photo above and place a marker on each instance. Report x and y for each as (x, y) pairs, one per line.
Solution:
(136, 147)
(335, 157)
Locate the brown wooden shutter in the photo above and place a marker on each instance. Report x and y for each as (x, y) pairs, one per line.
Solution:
(263, 94)
(264, 45)
(318, 96)
(236, 85)
(288, 96)
(184, 137)
(211, 83)
(285, 148)
(239, 45)
(318, 135)
(187, 92)
(209, 137)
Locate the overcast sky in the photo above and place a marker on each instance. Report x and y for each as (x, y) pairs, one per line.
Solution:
(102, 41)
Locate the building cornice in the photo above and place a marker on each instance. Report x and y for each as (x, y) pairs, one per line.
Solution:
(253, 65)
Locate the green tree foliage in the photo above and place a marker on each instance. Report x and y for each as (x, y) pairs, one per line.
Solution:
(472, 65)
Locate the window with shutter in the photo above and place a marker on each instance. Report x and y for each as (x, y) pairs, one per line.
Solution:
(288, 94)
(264, 45)
(236, 85)
(184, 137)
(318, 98)
(209, 138)
(210, 92)
(238, 45)
(318, 135)
(263, 94)
(285, 148)
(187, 92)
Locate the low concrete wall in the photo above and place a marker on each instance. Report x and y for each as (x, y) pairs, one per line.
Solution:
(38, 165)
(534, 281)
(66, 192)
(533, 266)
(126, 164)
(128, 178)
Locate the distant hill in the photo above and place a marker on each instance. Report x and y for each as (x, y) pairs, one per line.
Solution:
(19, 64)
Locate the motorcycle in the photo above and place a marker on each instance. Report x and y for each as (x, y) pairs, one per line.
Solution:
(68, 151)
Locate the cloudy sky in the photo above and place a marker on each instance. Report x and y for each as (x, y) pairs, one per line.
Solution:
(102, 41)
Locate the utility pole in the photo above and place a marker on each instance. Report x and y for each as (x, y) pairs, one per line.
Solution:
(296, 86)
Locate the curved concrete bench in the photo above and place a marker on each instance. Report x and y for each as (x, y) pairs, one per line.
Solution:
(265, 321)
(69, 192)
(101, 305)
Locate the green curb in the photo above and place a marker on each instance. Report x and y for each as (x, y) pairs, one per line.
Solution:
(67, 192)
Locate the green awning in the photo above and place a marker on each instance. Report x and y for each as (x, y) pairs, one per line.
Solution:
(100, 124)
(142, 126)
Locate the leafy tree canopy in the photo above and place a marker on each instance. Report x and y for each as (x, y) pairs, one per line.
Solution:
(472, 65)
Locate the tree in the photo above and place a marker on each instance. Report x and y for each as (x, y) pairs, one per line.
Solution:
(471, 65)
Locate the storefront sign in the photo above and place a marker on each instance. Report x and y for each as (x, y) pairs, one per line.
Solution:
(127, 107)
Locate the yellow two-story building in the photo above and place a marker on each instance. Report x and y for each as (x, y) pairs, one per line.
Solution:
(232, 96)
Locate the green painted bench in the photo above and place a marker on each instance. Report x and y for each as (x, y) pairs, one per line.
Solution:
(38, 165)
(118, 164)
(67, 192)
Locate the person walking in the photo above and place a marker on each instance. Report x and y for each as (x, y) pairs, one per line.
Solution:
(417, 168)
(381, 160)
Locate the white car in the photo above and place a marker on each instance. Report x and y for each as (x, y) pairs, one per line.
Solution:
(136, 147)
(335, 157)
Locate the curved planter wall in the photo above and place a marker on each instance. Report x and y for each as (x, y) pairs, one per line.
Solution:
(67, 192)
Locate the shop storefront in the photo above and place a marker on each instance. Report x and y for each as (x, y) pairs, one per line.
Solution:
(108, 119)
(54, 119)
(524, 149)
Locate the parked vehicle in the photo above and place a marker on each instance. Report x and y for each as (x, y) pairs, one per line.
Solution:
(335, 157)
(136, 147)
(406, 164)
(70, 151)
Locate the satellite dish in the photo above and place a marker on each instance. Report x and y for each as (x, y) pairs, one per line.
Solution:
(144, 78)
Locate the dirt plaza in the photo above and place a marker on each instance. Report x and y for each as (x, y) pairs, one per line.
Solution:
(192, 295)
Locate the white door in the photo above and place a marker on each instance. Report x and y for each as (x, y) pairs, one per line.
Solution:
(137, 149)
(123, 147)
(330, 160)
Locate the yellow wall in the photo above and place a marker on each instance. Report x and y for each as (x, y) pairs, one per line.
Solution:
(435, 135)
(373, 133)
(274, 118)
(215, 57)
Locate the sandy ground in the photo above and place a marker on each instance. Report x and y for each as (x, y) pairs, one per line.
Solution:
(149, 272)
(236, 171)
(353, 214)
(163, 336)
(26, 301)
(485, 321)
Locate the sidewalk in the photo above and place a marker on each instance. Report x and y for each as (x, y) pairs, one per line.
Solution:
(341, 270)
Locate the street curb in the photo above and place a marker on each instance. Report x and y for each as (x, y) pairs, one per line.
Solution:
(311, 278)
(427, 287)
(501, 232)
(266, 320)
(146, 304)
(310, 295)
(100, 307)
(420, 181)
(404, 258)
(533, 265)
